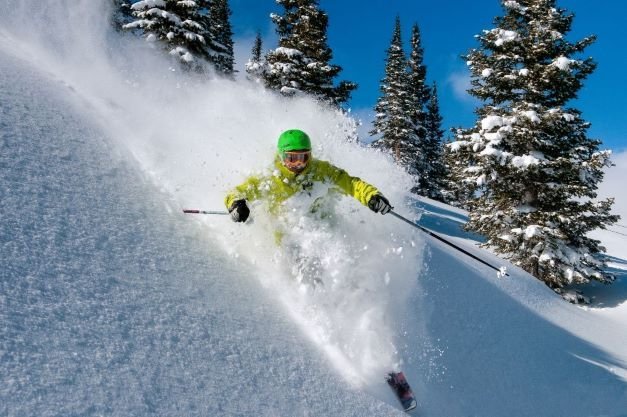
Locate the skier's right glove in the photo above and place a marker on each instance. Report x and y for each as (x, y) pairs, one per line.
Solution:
(239, 211)
(379, 204)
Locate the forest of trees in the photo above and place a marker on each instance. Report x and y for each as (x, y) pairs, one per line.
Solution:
(527, 171)
(407, 117)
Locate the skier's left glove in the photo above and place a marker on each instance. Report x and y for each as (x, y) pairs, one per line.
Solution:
(379, 204)
(239, 211)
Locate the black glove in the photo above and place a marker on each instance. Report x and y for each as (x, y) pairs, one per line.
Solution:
(239, 211)
(379, 204)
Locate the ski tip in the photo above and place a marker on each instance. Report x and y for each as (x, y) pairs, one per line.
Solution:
(412, 405)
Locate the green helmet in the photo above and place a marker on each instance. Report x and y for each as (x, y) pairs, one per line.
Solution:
(293, 140)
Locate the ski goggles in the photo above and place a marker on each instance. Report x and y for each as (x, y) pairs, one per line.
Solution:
(296, 159)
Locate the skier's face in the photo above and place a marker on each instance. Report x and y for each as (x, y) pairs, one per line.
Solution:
(296, 161)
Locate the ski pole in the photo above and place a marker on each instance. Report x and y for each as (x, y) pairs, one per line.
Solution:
(194, 211)
(441, 239)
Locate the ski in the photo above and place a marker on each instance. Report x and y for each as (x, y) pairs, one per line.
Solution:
(402, 390)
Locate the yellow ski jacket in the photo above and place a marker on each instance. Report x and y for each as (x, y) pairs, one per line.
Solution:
(282, 184)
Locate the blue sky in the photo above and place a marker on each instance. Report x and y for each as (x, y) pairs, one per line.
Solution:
(360, 32)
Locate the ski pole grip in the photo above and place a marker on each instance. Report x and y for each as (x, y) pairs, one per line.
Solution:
(187, 211)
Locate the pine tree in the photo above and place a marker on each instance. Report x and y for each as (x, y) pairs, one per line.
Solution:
(532, 164)
(432, 180)
(121, 14)
(176, 25)
(459, 161)
(301, 63)
(419, 96)
(256, 66)
(257, 48)
(220, 42)
(393, 121)
(417, 78)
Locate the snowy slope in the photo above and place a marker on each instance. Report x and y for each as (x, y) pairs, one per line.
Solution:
(113, 303)
(512, 347)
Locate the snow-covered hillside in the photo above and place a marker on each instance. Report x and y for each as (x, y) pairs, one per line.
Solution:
(114, 303)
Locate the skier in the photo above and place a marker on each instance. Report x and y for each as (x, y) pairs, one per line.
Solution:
(296, 171)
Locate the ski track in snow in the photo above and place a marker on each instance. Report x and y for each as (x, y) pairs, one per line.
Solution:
(113, 303)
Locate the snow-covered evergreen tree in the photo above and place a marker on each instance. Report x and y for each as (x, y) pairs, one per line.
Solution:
(301, 63)
(535, 169)
(393, 112)
(417, 84)
(256, 65)
(120, 13)
(432, 178)
(220, 40)
(177, 25)
(459, 189)
(424, 153)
